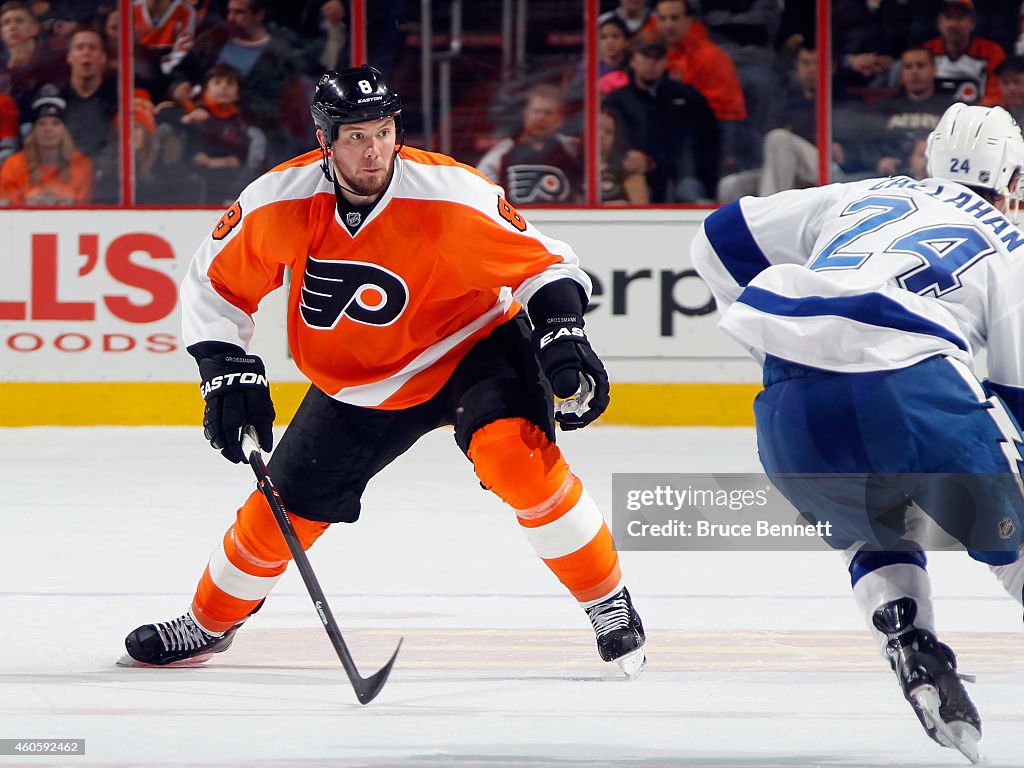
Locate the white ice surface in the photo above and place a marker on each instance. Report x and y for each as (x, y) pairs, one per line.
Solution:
(755, 660)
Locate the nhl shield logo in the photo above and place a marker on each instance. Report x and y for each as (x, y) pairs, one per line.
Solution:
(353, 218)
(1006, 528)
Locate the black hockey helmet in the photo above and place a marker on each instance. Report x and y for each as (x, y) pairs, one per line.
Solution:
(353, 95)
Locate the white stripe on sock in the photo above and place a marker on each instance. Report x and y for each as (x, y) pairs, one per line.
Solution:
(572, 531)
(236, 582)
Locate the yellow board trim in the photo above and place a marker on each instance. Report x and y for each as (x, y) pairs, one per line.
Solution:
(74, 404)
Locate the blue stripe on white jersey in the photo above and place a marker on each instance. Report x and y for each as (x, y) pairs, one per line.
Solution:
(867, 308)
(730, 237)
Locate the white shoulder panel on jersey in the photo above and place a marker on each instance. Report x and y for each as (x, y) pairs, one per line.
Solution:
(293, 183)
(205, 314)
(461, 186)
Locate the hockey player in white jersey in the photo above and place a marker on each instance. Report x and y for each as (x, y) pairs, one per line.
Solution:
(866, 303)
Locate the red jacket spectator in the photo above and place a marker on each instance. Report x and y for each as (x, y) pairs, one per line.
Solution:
(694, 59)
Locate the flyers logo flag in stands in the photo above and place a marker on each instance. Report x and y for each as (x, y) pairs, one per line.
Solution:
(232, 218)
(538, 184)
(366, 293)
(511, 215)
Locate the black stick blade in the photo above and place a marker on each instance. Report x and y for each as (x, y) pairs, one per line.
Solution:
(368, 687)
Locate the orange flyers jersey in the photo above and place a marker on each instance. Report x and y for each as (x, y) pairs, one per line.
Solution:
(173, 32)
(52, 187)
(382, 317)
(973, 73)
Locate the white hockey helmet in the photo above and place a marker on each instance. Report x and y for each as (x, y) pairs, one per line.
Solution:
(979, 147)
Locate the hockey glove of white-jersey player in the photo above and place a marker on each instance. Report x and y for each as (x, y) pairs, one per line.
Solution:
(237, 395)
(577, 375)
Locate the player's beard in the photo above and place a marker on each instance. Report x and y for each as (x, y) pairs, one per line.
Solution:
(370, 188)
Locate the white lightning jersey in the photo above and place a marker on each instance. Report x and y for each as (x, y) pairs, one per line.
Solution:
(871, 275)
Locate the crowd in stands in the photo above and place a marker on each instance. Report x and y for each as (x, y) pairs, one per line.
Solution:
(715, 99)
(220, 95)
(700, 101)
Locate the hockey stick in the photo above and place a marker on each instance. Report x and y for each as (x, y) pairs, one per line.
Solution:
(366, 688)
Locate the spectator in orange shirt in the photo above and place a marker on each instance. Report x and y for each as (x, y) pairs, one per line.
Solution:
(49, 171)
(694, 59)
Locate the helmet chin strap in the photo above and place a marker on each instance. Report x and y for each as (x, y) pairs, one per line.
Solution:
(327, 167)
(325, 162)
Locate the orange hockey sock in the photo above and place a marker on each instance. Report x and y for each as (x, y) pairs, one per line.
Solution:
(514, 459)
(246, 566)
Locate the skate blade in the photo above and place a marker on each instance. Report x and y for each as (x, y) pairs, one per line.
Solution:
(633, 663)
(957, 735)
(128, 661)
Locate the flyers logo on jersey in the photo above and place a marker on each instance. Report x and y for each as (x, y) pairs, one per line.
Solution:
(365, 293)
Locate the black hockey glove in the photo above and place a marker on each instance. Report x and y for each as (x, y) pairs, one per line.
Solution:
(577, 375)
(237, 395)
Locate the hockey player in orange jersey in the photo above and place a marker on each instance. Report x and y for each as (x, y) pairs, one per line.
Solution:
(410, 275)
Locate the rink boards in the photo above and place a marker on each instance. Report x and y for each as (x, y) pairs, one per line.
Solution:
(90, 323)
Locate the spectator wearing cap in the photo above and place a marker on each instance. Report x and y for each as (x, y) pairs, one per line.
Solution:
(91, 114)
(965, 64)
(670, 127)
(1011, 79)
(26, 64)
(49, 171)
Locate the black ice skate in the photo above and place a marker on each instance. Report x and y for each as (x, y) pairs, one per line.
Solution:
(176, 641)
(926, 670)
(620, 635)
